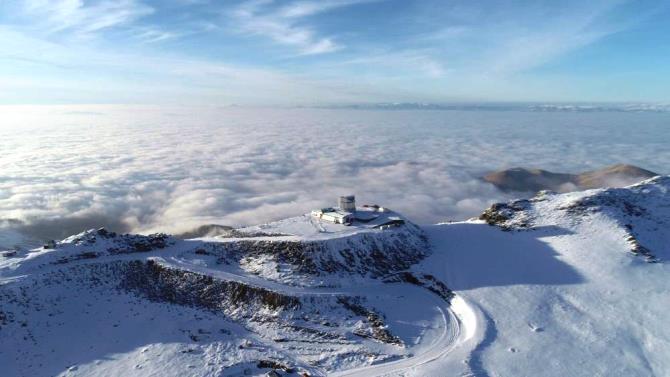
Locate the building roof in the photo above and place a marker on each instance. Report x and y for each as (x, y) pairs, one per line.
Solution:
(337, 213)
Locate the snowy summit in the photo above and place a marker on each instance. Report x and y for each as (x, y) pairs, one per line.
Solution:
(582, 274)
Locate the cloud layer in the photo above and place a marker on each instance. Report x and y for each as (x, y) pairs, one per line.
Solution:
(146, 169)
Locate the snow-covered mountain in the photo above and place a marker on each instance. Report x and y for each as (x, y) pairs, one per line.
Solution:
(556, 285)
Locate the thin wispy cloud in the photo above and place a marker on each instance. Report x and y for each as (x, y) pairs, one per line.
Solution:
(153, 35)
(417, 62)
(543, 39)
(300, 9)
(283, 24)
(84, 18)
(208, 81)
(396, 50)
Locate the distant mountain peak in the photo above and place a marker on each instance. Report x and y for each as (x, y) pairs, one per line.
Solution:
(533, 180)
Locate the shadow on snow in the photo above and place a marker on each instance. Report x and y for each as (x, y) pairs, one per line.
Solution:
(480, 255)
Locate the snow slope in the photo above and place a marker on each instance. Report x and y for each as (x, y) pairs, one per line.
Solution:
(100, 303)
(557, 285)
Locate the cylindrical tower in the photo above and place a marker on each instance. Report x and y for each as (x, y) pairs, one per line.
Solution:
(348, 203)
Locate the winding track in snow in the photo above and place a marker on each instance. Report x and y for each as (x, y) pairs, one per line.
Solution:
(458, 322)
(459, 325)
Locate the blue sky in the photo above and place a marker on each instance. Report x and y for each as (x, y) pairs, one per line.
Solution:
(332, 51)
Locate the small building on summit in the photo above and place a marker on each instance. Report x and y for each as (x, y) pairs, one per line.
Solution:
(371, 216)
(338, 217)
(344, 214)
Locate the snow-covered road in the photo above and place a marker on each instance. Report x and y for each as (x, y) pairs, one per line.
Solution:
(458, 322)
(450, 329)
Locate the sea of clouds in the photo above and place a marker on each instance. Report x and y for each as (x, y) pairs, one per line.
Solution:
(64, 169)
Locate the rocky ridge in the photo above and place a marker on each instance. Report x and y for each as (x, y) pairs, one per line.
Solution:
(628, 207)
(225, 278)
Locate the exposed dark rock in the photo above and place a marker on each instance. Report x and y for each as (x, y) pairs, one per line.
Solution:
(427, 281)
(500, 214)
(379, 331)
(626, 206)
(610, 199)
(272, 364)
(365, 255)
(160, 283)
(80, 256)
(121, 244)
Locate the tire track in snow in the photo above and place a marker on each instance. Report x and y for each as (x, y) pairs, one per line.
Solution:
(459, 325)
(459, 322)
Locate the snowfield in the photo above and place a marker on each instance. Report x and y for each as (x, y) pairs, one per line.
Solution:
(557, 285)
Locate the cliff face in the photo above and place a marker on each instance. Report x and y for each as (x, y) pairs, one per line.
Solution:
(364, 255)
(121, 295)
(272, 300)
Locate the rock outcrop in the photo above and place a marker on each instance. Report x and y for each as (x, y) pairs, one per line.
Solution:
(637, 210)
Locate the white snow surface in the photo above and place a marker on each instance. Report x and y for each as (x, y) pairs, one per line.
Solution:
(308, 227)
(560, 288)
(565, 298)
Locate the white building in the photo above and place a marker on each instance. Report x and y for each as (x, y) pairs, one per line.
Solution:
(319, 212)
(338, 217)
(344, 214)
